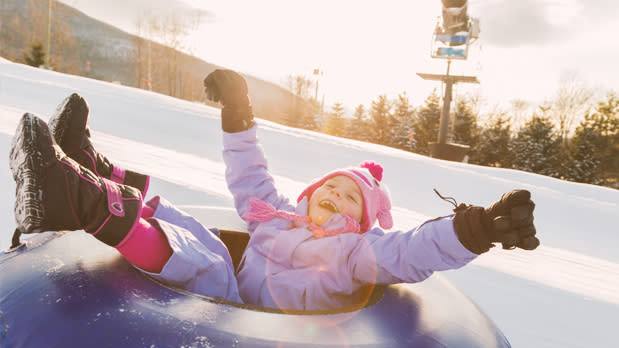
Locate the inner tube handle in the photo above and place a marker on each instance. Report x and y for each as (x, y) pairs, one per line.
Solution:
(15, 243)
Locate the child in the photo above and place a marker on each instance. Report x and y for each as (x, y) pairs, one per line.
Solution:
(312, 255)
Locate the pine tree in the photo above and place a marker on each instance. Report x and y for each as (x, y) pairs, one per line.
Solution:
(307, 118)
(36, 57)
(403, 128)
(536, 147)
(379, 115)
(584, 163)
(493, 148)
(465, 128)
(426, 124)
(336, 123)
(598, 136)
(358, 126)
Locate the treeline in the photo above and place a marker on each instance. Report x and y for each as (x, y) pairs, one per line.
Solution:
(24, 27)
(80, 46)
(567, 137)
(545, 141)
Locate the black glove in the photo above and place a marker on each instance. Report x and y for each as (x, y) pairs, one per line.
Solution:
(508, 221)
(230, 88)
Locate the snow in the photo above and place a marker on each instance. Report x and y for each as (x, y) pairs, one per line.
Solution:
(564, 294)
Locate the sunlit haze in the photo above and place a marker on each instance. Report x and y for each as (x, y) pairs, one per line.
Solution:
(369, 48)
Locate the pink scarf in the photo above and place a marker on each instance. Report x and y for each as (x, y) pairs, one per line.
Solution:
(262, 211)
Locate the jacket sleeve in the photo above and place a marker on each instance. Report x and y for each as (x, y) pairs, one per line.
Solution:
(247, 173)
(409, 257)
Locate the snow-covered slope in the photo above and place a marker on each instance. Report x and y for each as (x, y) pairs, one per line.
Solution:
(566, 293)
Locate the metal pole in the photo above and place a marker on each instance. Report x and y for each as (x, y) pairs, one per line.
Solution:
(150, 73)
(444, 123)
(316, 93)
(1, 19)
(49, 31)
(317, 73)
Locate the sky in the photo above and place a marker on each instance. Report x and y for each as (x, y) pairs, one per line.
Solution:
(369, 48)
(563, 294)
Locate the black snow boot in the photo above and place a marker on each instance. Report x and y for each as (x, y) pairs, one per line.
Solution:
(69, 127)
(55, 193)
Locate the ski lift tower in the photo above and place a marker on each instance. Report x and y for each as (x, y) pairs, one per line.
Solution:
(455, 31)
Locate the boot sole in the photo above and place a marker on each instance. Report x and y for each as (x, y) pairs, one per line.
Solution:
(71, 113)
(31, 152)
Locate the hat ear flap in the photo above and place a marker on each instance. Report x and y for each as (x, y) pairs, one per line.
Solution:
(308, 191)
(385, 220)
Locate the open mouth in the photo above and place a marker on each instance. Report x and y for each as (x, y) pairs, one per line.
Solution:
(328, 205)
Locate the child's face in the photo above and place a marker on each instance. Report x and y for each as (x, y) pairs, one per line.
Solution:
(339, 194)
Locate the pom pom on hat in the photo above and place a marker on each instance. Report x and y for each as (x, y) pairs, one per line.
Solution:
(376, 201)
(375, 169)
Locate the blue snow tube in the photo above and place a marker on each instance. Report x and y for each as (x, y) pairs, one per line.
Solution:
(69, 290)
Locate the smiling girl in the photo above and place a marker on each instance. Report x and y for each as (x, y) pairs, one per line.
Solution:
(312, 254)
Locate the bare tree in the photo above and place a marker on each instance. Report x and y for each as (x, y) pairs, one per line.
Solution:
(3, 18)
(143, 44)
(173, 29)
(63, 46)
(300, 86)
(25, 23)
(570, 103)
(519, 113)
(170, 31)
(303, 111)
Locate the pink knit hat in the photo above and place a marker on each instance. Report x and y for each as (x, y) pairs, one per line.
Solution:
(376, 201)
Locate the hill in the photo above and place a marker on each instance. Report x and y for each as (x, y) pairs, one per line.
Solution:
(82, 45)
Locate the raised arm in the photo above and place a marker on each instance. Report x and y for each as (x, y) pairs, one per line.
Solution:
(409, 257)
(446, 243)
(246, 166)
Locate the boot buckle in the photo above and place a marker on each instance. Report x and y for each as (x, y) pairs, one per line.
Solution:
(114, 198)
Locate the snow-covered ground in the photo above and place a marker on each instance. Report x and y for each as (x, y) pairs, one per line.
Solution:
(564, 294)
